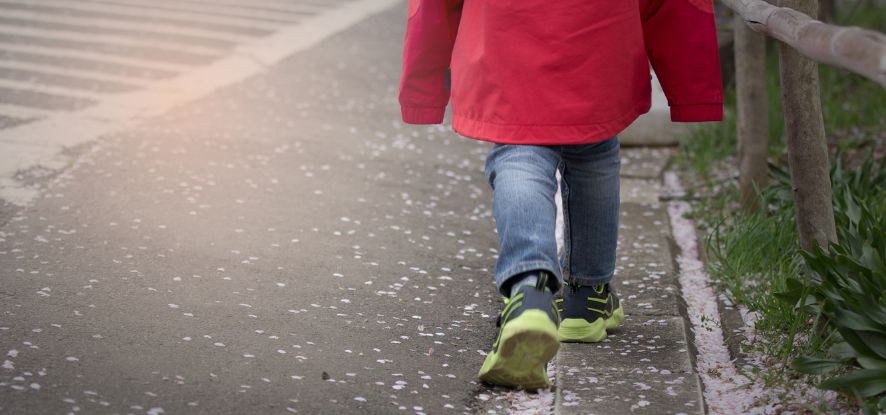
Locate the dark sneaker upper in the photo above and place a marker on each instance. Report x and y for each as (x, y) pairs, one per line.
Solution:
(589, 302)
(527, 339)
(527, 298)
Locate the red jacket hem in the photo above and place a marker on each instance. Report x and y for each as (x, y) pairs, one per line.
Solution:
(552, 134)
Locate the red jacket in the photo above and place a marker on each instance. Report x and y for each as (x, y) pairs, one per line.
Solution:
(557, 72)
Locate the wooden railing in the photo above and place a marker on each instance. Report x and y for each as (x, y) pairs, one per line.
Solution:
(804, 41)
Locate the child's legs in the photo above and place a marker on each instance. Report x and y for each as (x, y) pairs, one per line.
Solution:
(590, 190)
(523, 179)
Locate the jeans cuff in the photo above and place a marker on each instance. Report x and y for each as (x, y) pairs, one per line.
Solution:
(530, 266)
(589, 280)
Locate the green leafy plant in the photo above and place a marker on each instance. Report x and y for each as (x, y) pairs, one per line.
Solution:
(846, 286)
(867, 182)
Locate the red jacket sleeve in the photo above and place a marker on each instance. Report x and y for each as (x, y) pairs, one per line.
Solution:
(431, 27)
(681, 42)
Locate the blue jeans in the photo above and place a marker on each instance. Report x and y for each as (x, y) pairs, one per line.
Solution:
(524, 183)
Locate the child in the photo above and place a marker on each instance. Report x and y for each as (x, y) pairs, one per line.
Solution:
(551, 83)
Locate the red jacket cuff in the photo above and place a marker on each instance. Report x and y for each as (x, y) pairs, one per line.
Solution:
(697, 112)
(423, 115)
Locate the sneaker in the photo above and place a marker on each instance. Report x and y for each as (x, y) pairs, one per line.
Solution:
(526, 340)
(587, 312)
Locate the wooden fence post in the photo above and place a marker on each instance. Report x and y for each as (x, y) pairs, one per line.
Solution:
(826, 10)
(807, 148)
(752, 109)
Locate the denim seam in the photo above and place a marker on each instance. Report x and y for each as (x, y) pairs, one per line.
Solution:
(586, 280)
(567, 228)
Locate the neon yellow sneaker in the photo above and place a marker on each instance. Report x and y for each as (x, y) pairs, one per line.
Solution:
(587, 312)
(526, 340)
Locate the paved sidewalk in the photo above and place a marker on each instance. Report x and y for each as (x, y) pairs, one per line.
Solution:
(286, 245)
(283, 245)
(645, 367)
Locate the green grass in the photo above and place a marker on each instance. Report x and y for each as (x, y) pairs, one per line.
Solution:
(704, 147)
(754, 256)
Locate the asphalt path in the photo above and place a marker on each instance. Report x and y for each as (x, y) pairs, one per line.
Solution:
(284, 244)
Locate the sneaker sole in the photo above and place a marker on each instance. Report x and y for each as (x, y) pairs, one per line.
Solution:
(527, 344)
(578, 330)
(616, 319)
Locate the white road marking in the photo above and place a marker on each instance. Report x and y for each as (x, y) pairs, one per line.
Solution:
(60, 52)
(295, 12)
(141, 13)
(272, 5)
(110, 39)
(40, 143)
(17, 111)
(85, 74)
(62, 91)
(104, 23)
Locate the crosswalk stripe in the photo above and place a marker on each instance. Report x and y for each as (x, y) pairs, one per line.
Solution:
(70, 116)
(24, 113)
(65, 81)
(43, 100)
(99, 57)
(61, 91)
(91, 37)
(85, 74)
(270, 5)
(289, 15)
(136, 28)
(108, 39)
(124, 12)
(318, 3)
(86, 64)
(112, 49)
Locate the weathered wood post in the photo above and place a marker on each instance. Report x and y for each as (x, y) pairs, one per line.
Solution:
(752, 110)
(807, 149)
(826, 10)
